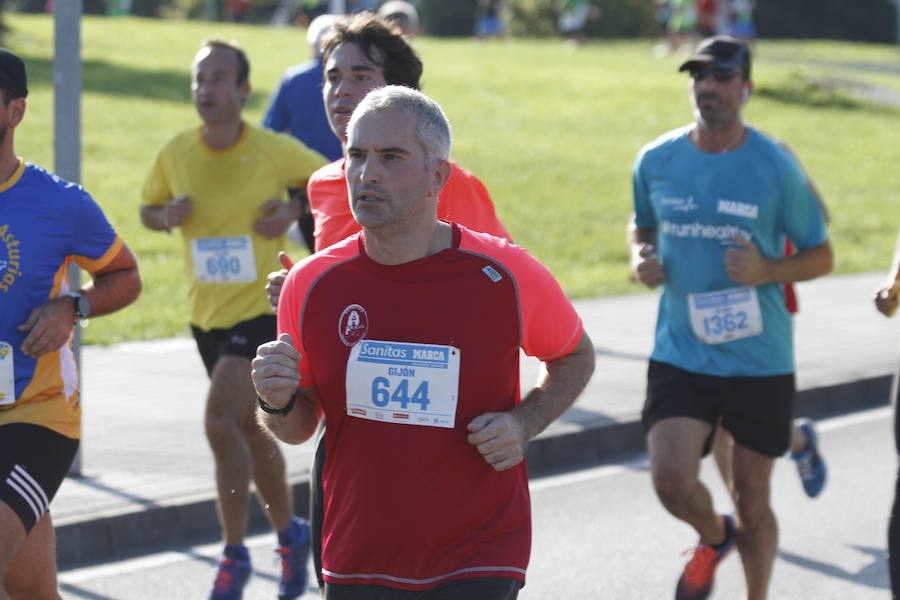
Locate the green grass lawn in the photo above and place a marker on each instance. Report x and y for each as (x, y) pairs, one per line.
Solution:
(551, 133)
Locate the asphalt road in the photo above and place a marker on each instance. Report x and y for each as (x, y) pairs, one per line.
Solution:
(600, 533)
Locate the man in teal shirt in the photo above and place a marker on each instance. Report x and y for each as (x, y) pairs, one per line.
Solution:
(713, 204)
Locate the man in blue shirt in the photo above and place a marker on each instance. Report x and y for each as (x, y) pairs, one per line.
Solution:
(713, 204)
(296, 107)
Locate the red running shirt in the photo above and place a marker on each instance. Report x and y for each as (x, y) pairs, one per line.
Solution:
(410, 505)
(463, 200)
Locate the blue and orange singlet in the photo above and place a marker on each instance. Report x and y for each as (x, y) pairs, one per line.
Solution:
(45, 223)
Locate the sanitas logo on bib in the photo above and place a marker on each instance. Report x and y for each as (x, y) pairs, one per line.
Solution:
(353, 324)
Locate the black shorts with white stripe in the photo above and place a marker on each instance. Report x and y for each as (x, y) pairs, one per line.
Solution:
(34, 461)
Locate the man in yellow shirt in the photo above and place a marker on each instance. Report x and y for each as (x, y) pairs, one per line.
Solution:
(222, 184)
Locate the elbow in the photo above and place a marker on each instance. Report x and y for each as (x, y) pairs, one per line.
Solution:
(135, 287)
(827, 262)
(588, 358)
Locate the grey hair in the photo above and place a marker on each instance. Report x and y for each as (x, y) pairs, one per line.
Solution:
(432, 127)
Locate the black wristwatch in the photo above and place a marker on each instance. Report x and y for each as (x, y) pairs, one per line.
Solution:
(266, 407)
(81, 303)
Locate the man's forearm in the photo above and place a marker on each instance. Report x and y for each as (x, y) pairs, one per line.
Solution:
(807, 263)
(298, 425)
(561, 382)
(640, 235)
(112, 291)
(115, 286)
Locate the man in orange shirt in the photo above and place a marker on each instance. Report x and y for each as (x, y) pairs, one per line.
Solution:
(364, 53)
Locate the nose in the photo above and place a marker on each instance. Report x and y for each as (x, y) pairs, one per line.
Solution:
(368, 171)
(341, 88)
(200, 87)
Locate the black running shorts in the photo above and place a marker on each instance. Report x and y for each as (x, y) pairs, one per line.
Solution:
(241, 340)
(476, 588)
(757, 411)
(34, 461)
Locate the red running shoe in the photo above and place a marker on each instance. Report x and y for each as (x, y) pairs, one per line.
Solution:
(696, 582)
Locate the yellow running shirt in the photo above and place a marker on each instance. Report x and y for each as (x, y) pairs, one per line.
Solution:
(225, 261)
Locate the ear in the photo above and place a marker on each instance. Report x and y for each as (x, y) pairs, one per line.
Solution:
(441, 170)
(244, 91)
(16, 111)
(745, 92)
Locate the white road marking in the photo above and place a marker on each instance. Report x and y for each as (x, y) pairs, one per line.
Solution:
(155, 561)
(589, 474)
(857, 418)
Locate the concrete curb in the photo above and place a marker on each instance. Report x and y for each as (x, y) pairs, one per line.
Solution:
(191, 520)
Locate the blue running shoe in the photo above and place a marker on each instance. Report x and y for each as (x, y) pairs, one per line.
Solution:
(810, 465)
(696, 582)
(293, 549)
(234, 571)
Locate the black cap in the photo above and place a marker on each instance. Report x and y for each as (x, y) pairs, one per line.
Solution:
(722, 52)
(12, 74)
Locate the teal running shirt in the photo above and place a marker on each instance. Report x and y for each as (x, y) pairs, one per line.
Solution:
(698, 202)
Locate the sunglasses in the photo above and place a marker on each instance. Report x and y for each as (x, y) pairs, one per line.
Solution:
(720, 75)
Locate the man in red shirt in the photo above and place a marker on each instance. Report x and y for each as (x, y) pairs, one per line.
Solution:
(360, 54)
(406, 337)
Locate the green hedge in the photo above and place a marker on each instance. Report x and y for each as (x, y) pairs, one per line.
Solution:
(535, 18)
(616, 18)
(855, 20)
(446, 19)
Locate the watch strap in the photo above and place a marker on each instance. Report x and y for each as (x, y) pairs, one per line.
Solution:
(268, 408)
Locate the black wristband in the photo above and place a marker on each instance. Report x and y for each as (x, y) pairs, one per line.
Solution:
(266, 407)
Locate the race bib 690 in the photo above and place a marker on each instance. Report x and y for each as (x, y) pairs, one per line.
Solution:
(224, 259)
